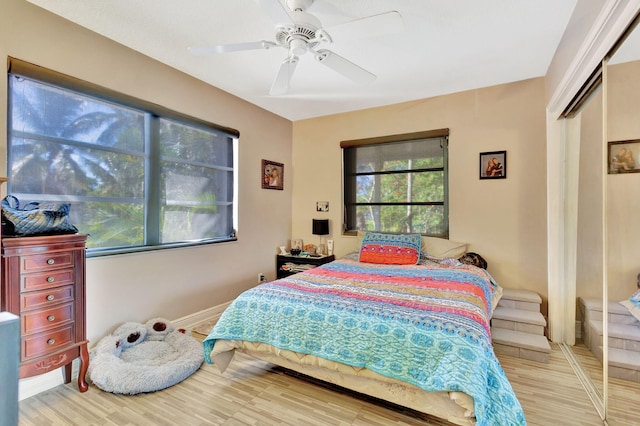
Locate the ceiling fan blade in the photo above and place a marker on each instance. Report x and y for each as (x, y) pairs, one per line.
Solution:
(276, 11)
(225, 48)
(375, 25)
(345, 67)
(281, 82)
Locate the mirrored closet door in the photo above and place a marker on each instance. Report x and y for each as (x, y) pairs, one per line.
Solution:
(622, 112)
(587, 134)
(602, 231)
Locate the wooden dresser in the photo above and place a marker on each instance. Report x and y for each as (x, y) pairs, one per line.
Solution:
(43, 282)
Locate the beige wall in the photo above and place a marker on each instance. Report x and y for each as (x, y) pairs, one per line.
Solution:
(503, 220)
(168, 283)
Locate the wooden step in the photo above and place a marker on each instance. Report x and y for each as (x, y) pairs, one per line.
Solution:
(621, 336)
(592, 309)
(522, 345)
(520, 299)
(624, 364)
(518, 320)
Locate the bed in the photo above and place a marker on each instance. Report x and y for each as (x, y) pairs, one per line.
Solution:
(417, 335)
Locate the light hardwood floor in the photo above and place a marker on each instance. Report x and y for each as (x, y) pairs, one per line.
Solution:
(252, 392)
(624, 396)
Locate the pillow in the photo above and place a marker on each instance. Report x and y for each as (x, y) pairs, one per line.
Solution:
(495, 299)
(441, 247)
(633, 304)
(474, 259)
(390, 249)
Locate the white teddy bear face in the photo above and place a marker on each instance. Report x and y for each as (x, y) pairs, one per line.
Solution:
(130, 334)
(158, 329)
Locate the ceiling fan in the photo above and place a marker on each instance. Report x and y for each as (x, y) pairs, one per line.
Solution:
(300, 32)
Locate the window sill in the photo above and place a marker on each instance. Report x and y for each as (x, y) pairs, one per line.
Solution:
(138, 249)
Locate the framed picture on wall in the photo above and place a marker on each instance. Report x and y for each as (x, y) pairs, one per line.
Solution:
(322, 206)
(623, 157)
(272, 175)
(493, 165)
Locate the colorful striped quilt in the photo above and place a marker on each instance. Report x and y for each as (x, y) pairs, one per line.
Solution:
(425, 324)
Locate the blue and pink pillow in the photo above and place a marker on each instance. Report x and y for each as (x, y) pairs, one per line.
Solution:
(633, 304)
(390, 249)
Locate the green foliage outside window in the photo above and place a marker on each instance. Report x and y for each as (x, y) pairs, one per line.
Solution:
(397, 187)
(133, 179)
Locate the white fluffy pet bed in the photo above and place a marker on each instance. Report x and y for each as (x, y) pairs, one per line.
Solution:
(146, 357)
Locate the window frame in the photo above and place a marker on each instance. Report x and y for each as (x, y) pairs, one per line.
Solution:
(406, 137)
(153, 113)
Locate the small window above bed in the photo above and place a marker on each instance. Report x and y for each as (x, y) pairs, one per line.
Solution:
(397, 184)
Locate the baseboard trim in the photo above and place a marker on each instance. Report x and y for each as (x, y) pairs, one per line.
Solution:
(191, 320)
(34, 385)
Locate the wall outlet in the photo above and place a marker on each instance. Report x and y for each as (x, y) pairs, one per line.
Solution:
(261, 278)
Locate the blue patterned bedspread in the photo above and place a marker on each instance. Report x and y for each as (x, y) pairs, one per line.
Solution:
(427, 325)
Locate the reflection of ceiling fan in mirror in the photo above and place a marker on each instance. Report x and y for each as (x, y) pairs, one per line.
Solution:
(300, 32)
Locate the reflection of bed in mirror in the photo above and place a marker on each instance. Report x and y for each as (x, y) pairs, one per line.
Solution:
(415, 335)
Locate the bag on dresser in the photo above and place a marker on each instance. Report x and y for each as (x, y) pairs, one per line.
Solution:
(35, 218)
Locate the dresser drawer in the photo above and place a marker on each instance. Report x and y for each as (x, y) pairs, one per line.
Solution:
(49, 279)
(46, 261)
(46, 319)
(44, 343)
(45, 298)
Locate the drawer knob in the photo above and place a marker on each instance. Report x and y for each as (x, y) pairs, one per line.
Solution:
(50, 297)
(50, 261)
(51, 341)
(51, 318)
(50, 279)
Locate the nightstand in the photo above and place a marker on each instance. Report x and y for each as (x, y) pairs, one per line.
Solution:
(299, 263)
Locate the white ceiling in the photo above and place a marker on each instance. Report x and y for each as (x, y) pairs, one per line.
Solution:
(447, 46)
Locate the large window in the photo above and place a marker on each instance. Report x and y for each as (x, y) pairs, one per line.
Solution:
(397, 184)
(136, 177)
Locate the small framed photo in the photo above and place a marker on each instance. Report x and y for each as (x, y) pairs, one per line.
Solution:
(297, 244)
(623, 157)
(493, 165)
(272, 175)
(322, 206)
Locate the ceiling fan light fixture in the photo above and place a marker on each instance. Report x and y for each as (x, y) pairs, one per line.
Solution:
(305, 28)
(298, 47)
